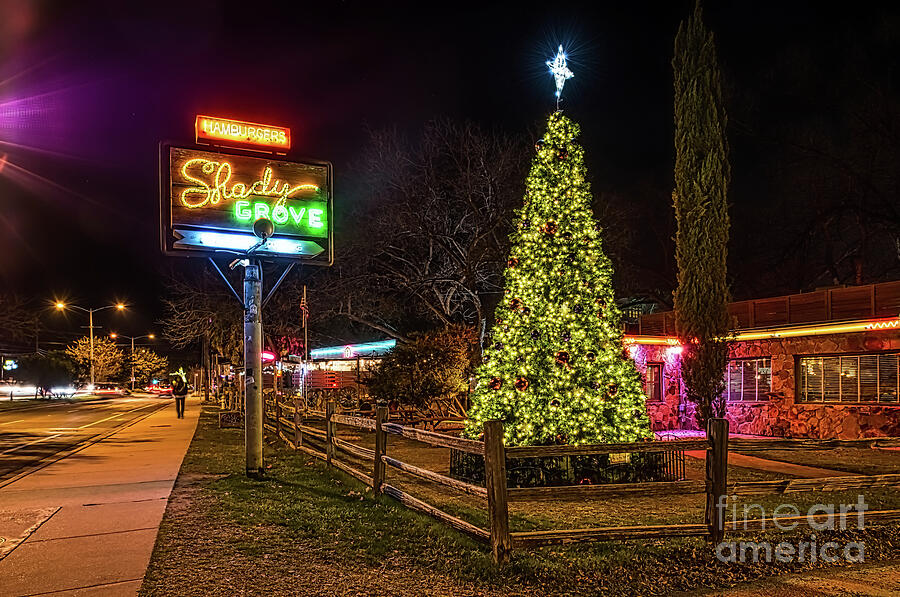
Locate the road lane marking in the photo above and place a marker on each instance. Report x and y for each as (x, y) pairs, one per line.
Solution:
(11, 422)
(43, 439)
(114, 416)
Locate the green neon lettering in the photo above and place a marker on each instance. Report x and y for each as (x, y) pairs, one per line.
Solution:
(296, 215)
(260, 210)
(242, 211)
(280, 214)
(314, 215)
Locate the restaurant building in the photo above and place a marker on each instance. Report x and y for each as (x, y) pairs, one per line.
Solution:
(823, 364)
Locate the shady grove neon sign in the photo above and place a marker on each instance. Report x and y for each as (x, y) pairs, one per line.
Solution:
(214, 186)
(214, 198)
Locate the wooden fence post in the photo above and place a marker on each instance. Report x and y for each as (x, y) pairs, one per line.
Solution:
(495, 482)
(380, 445)
(329, 447)
(716, 478)
(277, 417)
(298, 420)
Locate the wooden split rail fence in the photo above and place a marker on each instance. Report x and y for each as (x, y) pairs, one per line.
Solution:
(497, 495)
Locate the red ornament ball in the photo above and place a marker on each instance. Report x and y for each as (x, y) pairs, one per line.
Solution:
(549, 228)
(515, 304)
(562, 357)
(521, 384)
(496, 383)
(512, 262)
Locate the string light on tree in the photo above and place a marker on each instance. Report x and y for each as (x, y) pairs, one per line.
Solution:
(560, 71)
(556, 371)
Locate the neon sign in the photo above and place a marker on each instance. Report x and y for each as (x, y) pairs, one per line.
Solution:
(211, 128)
(279, 214)
(215, 189)
(349, 351)
(211, 201)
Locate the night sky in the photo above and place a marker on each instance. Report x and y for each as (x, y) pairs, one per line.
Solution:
(89, 89)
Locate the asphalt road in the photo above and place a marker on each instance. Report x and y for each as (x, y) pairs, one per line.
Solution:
(34, 435)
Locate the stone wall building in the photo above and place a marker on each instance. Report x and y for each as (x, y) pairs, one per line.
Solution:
(819, 365)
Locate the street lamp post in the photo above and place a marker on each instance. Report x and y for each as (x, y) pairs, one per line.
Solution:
(132, 338)
(62, 306)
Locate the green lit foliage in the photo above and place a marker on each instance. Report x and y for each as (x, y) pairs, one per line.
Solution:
(108, 359)
(702, 174)
(147, 365)
(556, 370)
(429, 367)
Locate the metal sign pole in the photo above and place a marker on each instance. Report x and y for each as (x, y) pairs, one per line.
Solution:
(305, 377)
(253, 405)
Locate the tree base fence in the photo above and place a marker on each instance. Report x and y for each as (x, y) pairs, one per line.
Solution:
(496, 494)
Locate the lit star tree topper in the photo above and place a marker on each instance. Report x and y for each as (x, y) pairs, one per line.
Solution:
(560, 71)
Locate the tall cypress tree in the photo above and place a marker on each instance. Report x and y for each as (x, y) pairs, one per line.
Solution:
(702, 175)
(556, 370)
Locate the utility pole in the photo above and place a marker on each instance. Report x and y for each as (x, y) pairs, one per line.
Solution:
(61, 306)
(253, 406)
(204, 366)
(132, 338)
(91, 328)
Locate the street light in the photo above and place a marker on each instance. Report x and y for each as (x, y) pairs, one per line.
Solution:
(114, 335)
(61, 306)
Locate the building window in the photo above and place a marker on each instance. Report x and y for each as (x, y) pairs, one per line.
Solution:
(653, 382)
(748, 380)
(849, 378)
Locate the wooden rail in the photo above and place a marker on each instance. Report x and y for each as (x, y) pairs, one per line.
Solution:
(366, 479)
(538, 538)
(362, 422)
(770, 523)
(841, 483)
(742, 444)
(578, 493)
(717, 444)
(358, 451)
(417, 504)
(436, 478)
(435, 439)
(312, 431)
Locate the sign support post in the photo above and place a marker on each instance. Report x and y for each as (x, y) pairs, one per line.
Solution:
(227, 198)
(253, 405)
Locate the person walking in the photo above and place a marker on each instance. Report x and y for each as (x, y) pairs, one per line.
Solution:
(179, 390)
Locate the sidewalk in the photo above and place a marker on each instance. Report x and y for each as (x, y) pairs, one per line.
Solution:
(86, 525)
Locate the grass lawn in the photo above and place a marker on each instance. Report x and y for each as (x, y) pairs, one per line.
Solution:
(308, 530)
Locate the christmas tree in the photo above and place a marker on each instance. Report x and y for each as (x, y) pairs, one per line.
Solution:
(556, 371)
